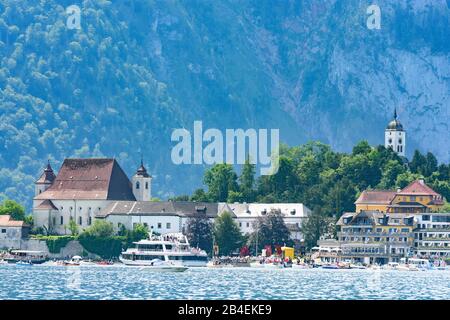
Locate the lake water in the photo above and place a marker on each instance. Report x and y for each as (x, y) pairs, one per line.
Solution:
(120, 282)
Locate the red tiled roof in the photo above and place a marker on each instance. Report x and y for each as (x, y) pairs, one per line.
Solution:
(418, 187)
(5, 221)
(376, 196)
(46, 205)
(101, 179)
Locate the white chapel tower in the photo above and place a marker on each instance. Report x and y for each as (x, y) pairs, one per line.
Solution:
(142, 188)
(395, 136)
(45, 180)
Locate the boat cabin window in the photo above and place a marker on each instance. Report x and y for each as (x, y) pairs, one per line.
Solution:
(150, 247)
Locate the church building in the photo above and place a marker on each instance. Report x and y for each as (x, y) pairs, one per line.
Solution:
(81, 189)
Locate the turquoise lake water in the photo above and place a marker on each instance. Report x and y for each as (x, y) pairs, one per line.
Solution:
(120, 282)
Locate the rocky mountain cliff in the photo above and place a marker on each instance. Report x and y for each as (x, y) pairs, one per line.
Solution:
(136, 70)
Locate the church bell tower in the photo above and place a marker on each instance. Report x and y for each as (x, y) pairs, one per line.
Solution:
(141, 181)
(395, 136)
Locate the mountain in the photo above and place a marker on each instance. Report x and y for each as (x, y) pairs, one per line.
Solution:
(135, 71)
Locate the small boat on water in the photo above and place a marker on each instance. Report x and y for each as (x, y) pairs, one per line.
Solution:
(357, 266)
(330, 266)
(301, 266)
(35, 257)
(24, 263)
(390, 266)
(74, 261)
(3, 262)
(163, 266)
(257, 264)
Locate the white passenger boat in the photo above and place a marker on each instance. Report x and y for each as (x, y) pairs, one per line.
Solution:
(163, 266)
(173, 247)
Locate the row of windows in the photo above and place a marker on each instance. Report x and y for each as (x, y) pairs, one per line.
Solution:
(159, 225)
(399, 141)
(138, 185)
(399, 148)
(79, 209)
(80, 220)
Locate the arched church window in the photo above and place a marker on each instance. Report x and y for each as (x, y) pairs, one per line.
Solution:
(137, 185)
(390, 141)
(61, 220)
(146, 185)
(400, 141)
(80, 221)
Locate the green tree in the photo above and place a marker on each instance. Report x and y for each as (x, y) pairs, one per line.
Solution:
(418, 163)
(362, 147)
(139, 232)
(220, 179)
(272, 230)
(29, 220)
(431, 165)
(73, 227)
(199, 231)
(247, 182)
(316, 226)
(200, 196)
(406, 178)
(184, 197)
(12, 208)
(100, 229)
(391, 171)
(227, 234)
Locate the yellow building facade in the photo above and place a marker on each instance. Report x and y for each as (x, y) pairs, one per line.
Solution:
(417, 197)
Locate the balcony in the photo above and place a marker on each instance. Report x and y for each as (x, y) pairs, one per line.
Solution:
(375, 234)
(434, 239)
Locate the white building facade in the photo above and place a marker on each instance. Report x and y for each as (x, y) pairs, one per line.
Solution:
(248, 215)
(432, 235)
(82, 188)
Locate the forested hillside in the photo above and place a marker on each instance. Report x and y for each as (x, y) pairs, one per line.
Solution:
(136, 70)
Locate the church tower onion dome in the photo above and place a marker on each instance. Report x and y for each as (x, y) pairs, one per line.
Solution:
(48, 176)
(395, 124)
(141, 171)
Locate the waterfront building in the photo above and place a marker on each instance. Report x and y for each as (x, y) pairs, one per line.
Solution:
(247, 215)
(161, 217)
(417, 197)
(432, 235)
(375, 237)
(88, 189)
(12, 232)
(81, 189)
